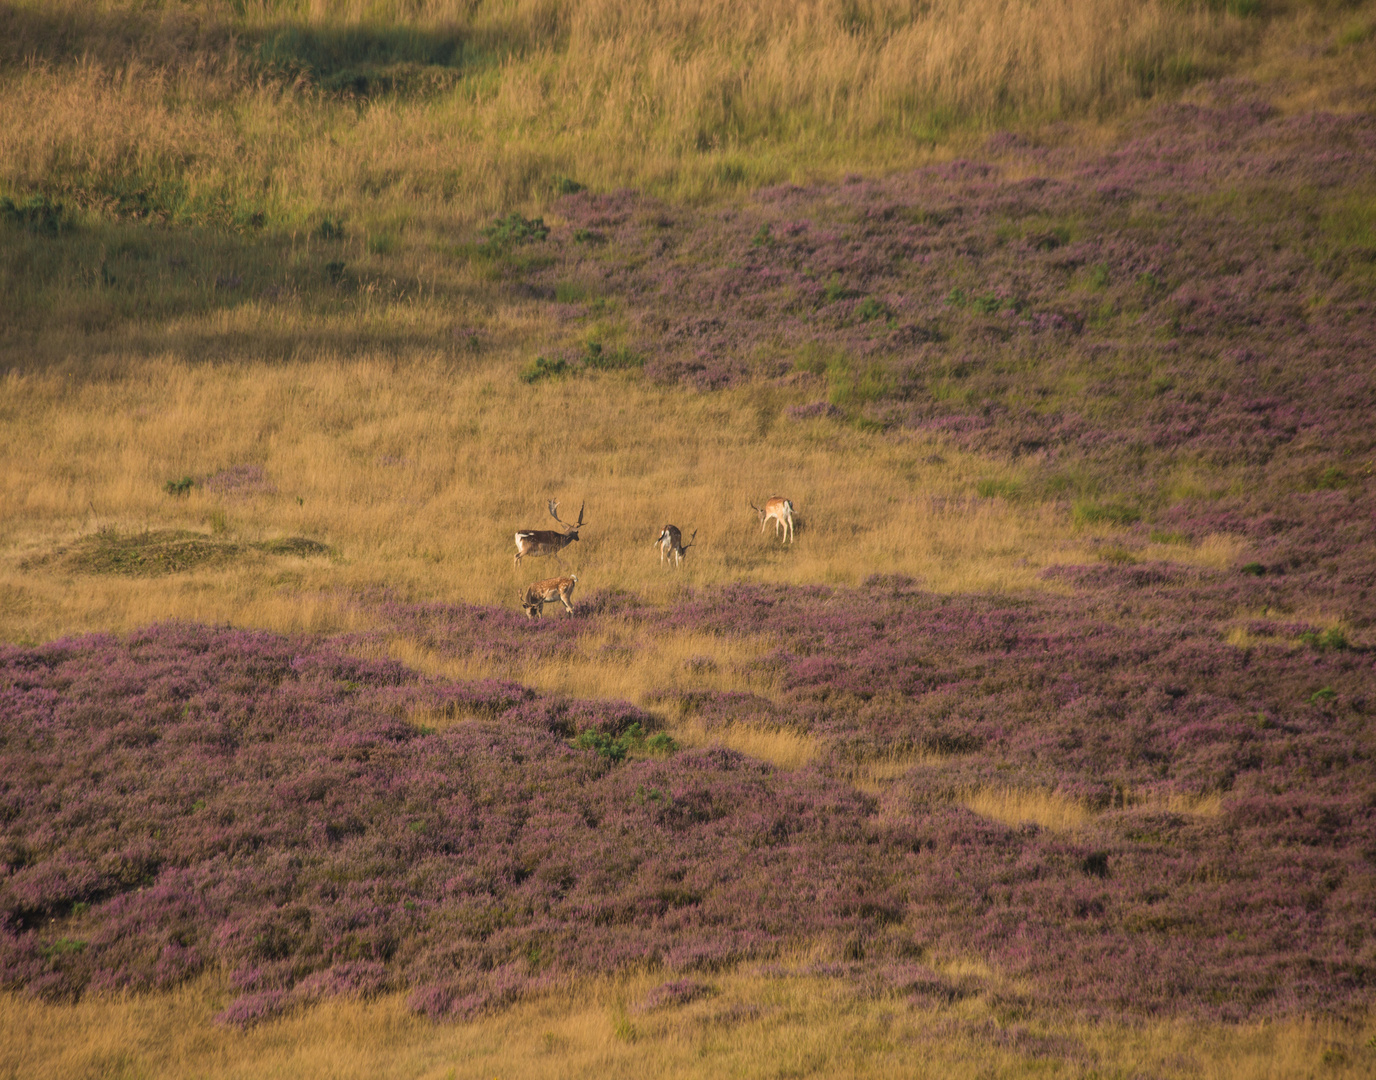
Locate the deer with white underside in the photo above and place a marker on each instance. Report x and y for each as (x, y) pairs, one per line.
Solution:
(539, 542)
(671, 545)
(781, 510)
(536, 596)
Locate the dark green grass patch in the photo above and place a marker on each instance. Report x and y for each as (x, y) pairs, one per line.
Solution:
(1104, 513)
(168, 551)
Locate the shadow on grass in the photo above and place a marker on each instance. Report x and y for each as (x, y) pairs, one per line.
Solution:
(352, 60)
(91, 290)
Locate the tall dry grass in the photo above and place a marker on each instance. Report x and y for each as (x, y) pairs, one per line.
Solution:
(1063, 813)
(744, 1023)
(419, 476)
(214, 112)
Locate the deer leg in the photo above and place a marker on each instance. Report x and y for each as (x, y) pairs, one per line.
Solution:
(567, 606)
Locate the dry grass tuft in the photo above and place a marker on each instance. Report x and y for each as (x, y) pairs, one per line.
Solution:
(878, 775)
(1015, 806)
(780, 746)
(751, 1024)
(1061, 813)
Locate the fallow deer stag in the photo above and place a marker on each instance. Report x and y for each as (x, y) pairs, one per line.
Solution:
(537, 542)
(535, 598)
(781, 510)
(671, 545)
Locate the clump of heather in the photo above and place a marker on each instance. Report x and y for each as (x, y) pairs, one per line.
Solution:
(1198, 294)
(675, 992)
(191, 797)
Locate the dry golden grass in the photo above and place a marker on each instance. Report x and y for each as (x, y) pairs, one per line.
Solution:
(747, 1024)
(630, 663)
(782, 747)
(1014, 806)
(1062, 813)
(419, 476)
(877, 775)
(689, 97)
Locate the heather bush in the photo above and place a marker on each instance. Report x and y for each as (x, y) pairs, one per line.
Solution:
(279, 819)
(1157, 338)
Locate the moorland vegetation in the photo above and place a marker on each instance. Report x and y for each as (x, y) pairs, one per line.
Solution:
(1046, 745)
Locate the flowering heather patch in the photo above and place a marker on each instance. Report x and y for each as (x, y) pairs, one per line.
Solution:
(195, 796)
(1200, 293)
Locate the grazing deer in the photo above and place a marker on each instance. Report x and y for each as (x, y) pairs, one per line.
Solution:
(670, 543)
(536, 542)
(781, 510)
(534, 599)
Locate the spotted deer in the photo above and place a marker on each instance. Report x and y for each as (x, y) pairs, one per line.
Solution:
(538, 542)
(534, 599)
(781, 510)
(671, 545)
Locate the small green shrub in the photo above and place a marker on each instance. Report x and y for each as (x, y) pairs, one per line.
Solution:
(383, 243)
(870, 309)
(956, 298)
(587, 236)
(661, 743)
(334, 270)
(1254, 568)
(1322, 640)
(1323, 696)
(836, 291)
(1160, 536)
(38, 214)
(63, 946)
(1331, 479)
(602, 744)
(633, 739)
(180, 488)
(567, 185)
(987, 304)
(511, 230)
(330, 228)
(544, 368)
(1097, 278)
(764, 237)
(1120, 556)
(1094, 513)
(600, 359)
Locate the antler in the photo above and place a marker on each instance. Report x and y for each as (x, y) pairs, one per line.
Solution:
(685, 547)
(554, 513)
